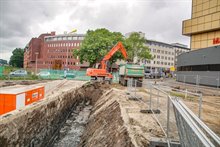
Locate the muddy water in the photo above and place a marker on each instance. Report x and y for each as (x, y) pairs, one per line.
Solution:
(72, 130)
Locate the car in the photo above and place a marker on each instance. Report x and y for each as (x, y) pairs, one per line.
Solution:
(44, 74)
(18, 73)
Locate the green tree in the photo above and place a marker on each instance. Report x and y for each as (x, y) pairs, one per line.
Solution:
(136, 47)
(17, 58)
(97, 44)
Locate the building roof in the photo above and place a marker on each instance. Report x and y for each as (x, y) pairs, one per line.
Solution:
(168, 45)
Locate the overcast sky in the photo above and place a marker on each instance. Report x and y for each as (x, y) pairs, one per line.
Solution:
(20, 20)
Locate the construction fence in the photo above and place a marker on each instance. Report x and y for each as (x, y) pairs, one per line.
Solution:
(1, 70)
(69, 74)
(175, 119)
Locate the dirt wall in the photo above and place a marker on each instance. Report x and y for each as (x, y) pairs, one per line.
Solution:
(35, 125)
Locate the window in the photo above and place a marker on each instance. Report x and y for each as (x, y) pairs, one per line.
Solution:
(69, 38)
(168, 58)
(165, 52)
(74, 44)
(158, 51)
(158, 56)
(162, 57)
(158, 62)
(59, 38)
(74, 38)
(165, 58)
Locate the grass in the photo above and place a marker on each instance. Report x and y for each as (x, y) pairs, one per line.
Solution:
(181, 95)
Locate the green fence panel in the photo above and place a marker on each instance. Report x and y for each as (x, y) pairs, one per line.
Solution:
(1, 70)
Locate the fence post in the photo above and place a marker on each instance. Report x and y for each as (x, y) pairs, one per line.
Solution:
(185, 81)
(158, 95)
(135, 85)
(200, 105)
(150, 96)
(186, 94)
(168, 117)
(197, 78)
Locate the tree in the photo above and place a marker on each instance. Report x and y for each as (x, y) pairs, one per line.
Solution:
(17, 58)
(97, 44)
(137, 48)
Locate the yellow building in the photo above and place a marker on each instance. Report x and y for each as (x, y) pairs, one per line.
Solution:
(204, 26)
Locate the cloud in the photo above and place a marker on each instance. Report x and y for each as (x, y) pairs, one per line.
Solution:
(20, 20)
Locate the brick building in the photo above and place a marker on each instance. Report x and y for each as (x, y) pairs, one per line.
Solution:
(51, 51)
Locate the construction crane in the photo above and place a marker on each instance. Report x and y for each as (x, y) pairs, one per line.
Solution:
(103, 74)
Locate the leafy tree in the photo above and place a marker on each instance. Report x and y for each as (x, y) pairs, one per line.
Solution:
(97, 44)
(17, 58)
(136, 47)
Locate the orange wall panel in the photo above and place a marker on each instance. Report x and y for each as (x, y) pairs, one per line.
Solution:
(10, 102)
(2, 104)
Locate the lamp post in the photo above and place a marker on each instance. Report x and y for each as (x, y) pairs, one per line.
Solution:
(36, 53)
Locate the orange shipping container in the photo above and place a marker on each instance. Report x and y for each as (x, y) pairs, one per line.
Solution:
(17, 97)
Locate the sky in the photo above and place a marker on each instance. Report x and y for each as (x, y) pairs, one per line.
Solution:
(160, 20)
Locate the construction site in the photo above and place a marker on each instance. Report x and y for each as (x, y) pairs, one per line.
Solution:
(109, 89)
(79, 113)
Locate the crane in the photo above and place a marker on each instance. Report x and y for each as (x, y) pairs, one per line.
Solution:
(102, 73)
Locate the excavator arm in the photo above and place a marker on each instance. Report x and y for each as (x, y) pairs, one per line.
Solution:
(103, 73)
(119, 46)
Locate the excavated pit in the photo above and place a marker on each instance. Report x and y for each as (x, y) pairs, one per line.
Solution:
(74, 118)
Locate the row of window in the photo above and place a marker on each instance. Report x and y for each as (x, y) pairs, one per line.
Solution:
(59, 38)
(59, 50)
(163, 63)
(160, 45)
(63, 44)
(163, 57)
(64, 63)
(208, 67)
(60, 56)
(161, 51)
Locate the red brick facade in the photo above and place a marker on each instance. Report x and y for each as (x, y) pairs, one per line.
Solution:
(54, 51)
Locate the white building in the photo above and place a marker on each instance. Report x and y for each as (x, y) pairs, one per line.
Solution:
(164, 55)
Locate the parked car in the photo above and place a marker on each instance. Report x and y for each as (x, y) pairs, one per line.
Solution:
(18, 73)
(44, 74)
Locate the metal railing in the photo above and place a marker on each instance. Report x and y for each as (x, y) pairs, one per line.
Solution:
(168, 119)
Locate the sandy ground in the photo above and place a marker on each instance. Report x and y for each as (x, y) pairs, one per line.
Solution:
(144, 127)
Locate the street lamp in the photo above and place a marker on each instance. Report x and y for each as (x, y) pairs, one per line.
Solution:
(36, 53)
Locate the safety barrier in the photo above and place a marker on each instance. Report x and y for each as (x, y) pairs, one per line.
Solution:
(160, 103)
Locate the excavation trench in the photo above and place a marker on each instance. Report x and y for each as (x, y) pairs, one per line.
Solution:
(72, 118)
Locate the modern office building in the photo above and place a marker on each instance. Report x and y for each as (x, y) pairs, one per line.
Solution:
(164, 55)
(204, 26)
(202, 64)
(51, 51)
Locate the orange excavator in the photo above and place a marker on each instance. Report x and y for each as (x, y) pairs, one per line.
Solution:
(103, 74)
